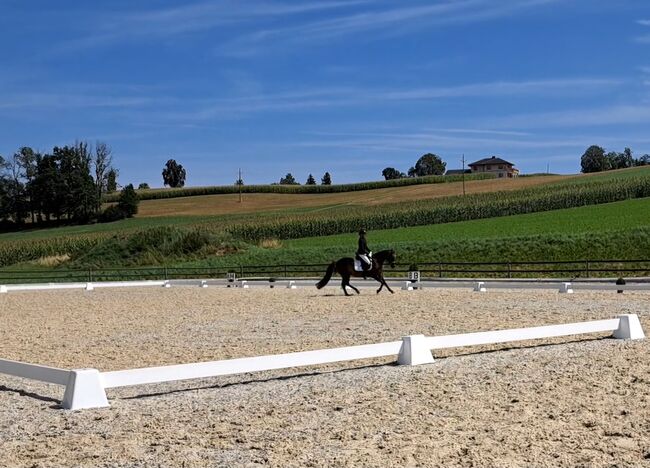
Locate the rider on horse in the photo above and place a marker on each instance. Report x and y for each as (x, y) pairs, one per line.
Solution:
(363, 252)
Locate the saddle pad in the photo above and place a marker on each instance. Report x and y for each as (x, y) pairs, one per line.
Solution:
(358, 266)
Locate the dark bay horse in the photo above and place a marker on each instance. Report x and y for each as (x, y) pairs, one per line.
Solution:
(345, 268)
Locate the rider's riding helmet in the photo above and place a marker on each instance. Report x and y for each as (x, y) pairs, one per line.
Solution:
(362, 232)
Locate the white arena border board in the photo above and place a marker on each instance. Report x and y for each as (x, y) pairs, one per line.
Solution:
(285, 283)
(86, 388)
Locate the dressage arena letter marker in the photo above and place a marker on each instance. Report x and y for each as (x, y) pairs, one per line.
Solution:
(480, 287)
(89, 287)
(3, 289)
(565, 288)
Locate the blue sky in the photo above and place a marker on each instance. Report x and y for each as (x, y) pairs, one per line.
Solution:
(348, 87)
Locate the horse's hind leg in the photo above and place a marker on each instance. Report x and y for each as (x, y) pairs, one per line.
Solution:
(344, 282)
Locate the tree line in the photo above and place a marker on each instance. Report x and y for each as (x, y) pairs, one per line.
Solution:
(428, 164)
(289, 179)
(595, 159)
(62, 186)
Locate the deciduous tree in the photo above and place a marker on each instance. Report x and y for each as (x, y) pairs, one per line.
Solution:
(594, 160)
(111, 180)
(288, 180)
(429, 164)
(173, 174)
(103, 161)
(391, 173)
(128, 201)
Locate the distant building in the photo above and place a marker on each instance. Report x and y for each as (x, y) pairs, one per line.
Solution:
(494, 165)
(458, 171)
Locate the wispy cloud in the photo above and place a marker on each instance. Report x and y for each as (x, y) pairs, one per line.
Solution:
(356, 96)
(391, 21)
(643, 39)
(502, 88)
(84, 95)
(527, 148)
(416, 141)
(67, 101)
(192, 18)
(590, 117)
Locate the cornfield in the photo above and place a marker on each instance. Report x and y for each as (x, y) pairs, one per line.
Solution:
(447, 210)
(22, 251)
(157, 194)
(349, 219)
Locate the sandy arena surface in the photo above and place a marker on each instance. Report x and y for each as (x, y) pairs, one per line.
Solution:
(563, 402)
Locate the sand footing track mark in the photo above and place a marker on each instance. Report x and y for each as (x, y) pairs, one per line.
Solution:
(579, 403)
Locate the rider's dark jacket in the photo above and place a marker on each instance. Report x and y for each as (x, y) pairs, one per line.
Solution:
(363, 246)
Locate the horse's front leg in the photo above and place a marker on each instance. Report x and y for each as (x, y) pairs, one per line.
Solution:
(381, 279)
(384, 283)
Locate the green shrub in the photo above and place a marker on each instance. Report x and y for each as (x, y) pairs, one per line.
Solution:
(112, 213)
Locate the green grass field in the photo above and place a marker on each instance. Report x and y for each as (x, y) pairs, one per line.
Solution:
(588, 219)
(618, 230)
(480, 227)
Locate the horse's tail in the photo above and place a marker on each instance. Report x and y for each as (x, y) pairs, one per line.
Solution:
(326, 279)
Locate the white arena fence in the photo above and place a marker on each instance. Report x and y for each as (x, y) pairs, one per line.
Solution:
(475, 285)
(86, 388)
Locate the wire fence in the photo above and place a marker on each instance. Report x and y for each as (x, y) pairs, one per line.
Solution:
(551, 269)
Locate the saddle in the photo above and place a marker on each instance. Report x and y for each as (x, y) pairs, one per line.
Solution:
(360, 265)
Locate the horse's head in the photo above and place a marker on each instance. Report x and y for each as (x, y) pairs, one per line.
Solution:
(391, 258)
(386, 256)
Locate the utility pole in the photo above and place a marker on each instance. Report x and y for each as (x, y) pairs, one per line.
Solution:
(463, 160)
(547, 168)
(240, 182)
